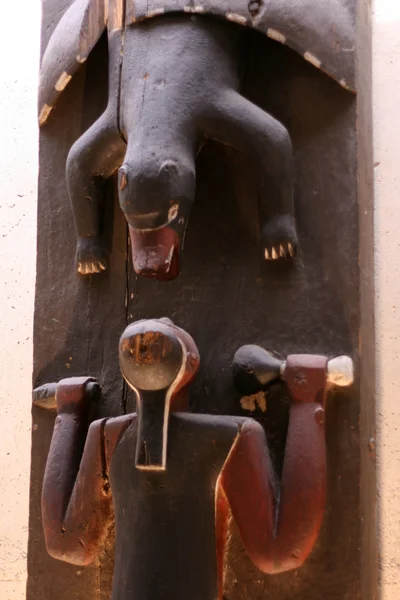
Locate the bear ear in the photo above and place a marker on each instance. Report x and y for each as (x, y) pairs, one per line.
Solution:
(70, 45)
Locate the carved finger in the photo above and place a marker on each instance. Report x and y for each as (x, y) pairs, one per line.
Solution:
(45, 396)
(95, 268)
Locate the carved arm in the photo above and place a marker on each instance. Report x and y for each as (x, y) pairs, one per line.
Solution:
(279, 526)
(76, 498)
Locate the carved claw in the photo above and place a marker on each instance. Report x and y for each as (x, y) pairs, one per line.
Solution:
(90, 268)
(279, 238)
(279, 251)
(91, 256)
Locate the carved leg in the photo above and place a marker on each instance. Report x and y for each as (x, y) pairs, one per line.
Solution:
(91, 160)
(237, 122)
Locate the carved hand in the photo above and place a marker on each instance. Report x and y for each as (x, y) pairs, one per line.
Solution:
(72, 395)
(255, 368)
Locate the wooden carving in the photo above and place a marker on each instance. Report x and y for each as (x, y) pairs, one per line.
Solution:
(211, 496)
(176, 70)
(173, 477)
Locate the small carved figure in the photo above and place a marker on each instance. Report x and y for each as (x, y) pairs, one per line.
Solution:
(174, 82)
(171, 476)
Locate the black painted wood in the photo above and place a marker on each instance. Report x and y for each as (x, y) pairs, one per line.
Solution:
(159, 507)
(225, 297)
(78, 321)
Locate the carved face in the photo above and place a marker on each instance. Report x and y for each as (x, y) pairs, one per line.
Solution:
(150, 356)
(156, 197)
(158, 360)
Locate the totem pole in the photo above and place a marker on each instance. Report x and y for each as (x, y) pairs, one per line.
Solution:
(233, 122)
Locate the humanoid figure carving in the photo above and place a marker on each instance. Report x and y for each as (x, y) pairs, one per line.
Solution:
(178, 84)
(172, 477)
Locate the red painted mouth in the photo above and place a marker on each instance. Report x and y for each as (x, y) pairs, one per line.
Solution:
(155, 253)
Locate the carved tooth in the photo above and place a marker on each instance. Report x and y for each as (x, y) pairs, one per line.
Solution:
(312, 59)
(123, 180)
(236, 18)
(44, 113)
(276, 35)
(62, 82)
(291, 251)
(266, 254)
(173, 212)
(103, 265)
(274, 254)
(155, 12)
(344, 84)
(282, 252)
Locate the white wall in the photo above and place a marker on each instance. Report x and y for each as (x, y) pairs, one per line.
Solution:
(386, 78)
(19, 52)
(18, 168)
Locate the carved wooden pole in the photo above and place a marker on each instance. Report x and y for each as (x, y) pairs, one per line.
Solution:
(154, 138)
(236, 123)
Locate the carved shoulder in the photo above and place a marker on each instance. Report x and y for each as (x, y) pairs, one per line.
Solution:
(114, 429)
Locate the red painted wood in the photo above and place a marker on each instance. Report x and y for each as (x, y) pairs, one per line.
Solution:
(279, 524)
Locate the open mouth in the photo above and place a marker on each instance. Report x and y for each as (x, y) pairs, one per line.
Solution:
(155, 253)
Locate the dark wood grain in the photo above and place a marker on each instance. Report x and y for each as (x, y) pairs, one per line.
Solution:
(225, 297)
(77, 321)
